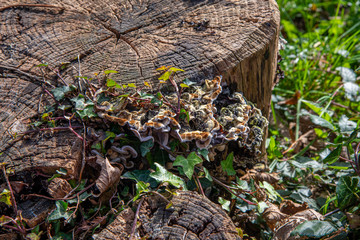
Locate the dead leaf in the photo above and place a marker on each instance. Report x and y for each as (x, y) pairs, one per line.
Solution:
(272, 216)
(290, 208)
(18, 186)
(59, 188)
(354, 220)
(109, 175)
(288, 225)
(293, 100)
(271, 178)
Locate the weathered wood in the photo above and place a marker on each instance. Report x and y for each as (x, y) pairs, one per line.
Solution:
(191, 216)
(237, 39)
(46, 151)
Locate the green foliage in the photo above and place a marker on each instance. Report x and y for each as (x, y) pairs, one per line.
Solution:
(60, 92)
(314, 229)
(227, 164)
(162, 175)
(188, 163)
(225, 204)
(61, 211)
(5, 197)
(347, 191)
(321, 92)
(145, 147)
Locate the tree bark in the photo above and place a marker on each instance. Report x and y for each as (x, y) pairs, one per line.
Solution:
(236, 39)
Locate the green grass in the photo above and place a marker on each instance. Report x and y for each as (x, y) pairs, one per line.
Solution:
(321, 64)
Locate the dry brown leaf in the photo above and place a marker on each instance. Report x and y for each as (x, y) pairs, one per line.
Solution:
(309, 214)
(109, 175)
(59, 188)
(288, 225)
(271, 178)
(273, 216)
(354, 220)
(18, 186)
(291, 101)
(290, 208)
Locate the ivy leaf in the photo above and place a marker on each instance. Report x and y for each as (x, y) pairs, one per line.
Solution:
(184, 114)
(188, 164)
(346, 191)
(79, 102)
(131, 85)
(60, 92)
(165, 76)
(141, 175)
(174, 69)
(162, 175)
(333, 156)
(321, 122)
(110, 83)
(110, 71)
(145, 147)
(5, 197)
(88, 112)
(205, 153)
(225, 204)
(81, 198)
(60, 211)
(262, 206)
(207, 175)
(273, 194)
(227, 164)
(314, 229)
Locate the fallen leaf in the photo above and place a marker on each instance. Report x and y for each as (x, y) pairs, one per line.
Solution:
(271, 178)
(293, 100)
(290, 208)
(17, 186)
(273, 216)
(59, 188)
(354, 220)
(109, 175)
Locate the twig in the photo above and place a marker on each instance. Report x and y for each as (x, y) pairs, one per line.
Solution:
(83, 153)
(13, 202)
(49, 129)
(199, 184)
(73, 131)
(65, 198)
(332, 212)
(162, 197)
(231, 191)
(135, 219)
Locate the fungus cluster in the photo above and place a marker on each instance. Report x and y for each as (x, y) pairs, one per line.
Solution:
(208, 124)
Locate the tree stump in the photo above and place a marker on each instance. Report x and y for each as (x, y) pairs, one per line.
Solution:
(235, 39)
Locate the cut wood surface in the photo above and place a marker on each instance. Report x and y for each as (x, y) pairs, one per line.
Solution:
(237, 39)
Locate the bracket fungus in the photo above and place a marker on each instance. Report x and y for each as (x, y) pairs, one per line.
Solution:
(210, 122)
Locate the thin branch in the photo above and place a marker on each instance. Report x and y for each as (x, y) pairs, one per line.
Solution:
(65, 198)
(135, 219)
(13, 202)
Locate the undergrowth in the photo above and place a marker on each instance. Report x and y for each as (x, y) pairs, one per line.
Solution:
(313, 146)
